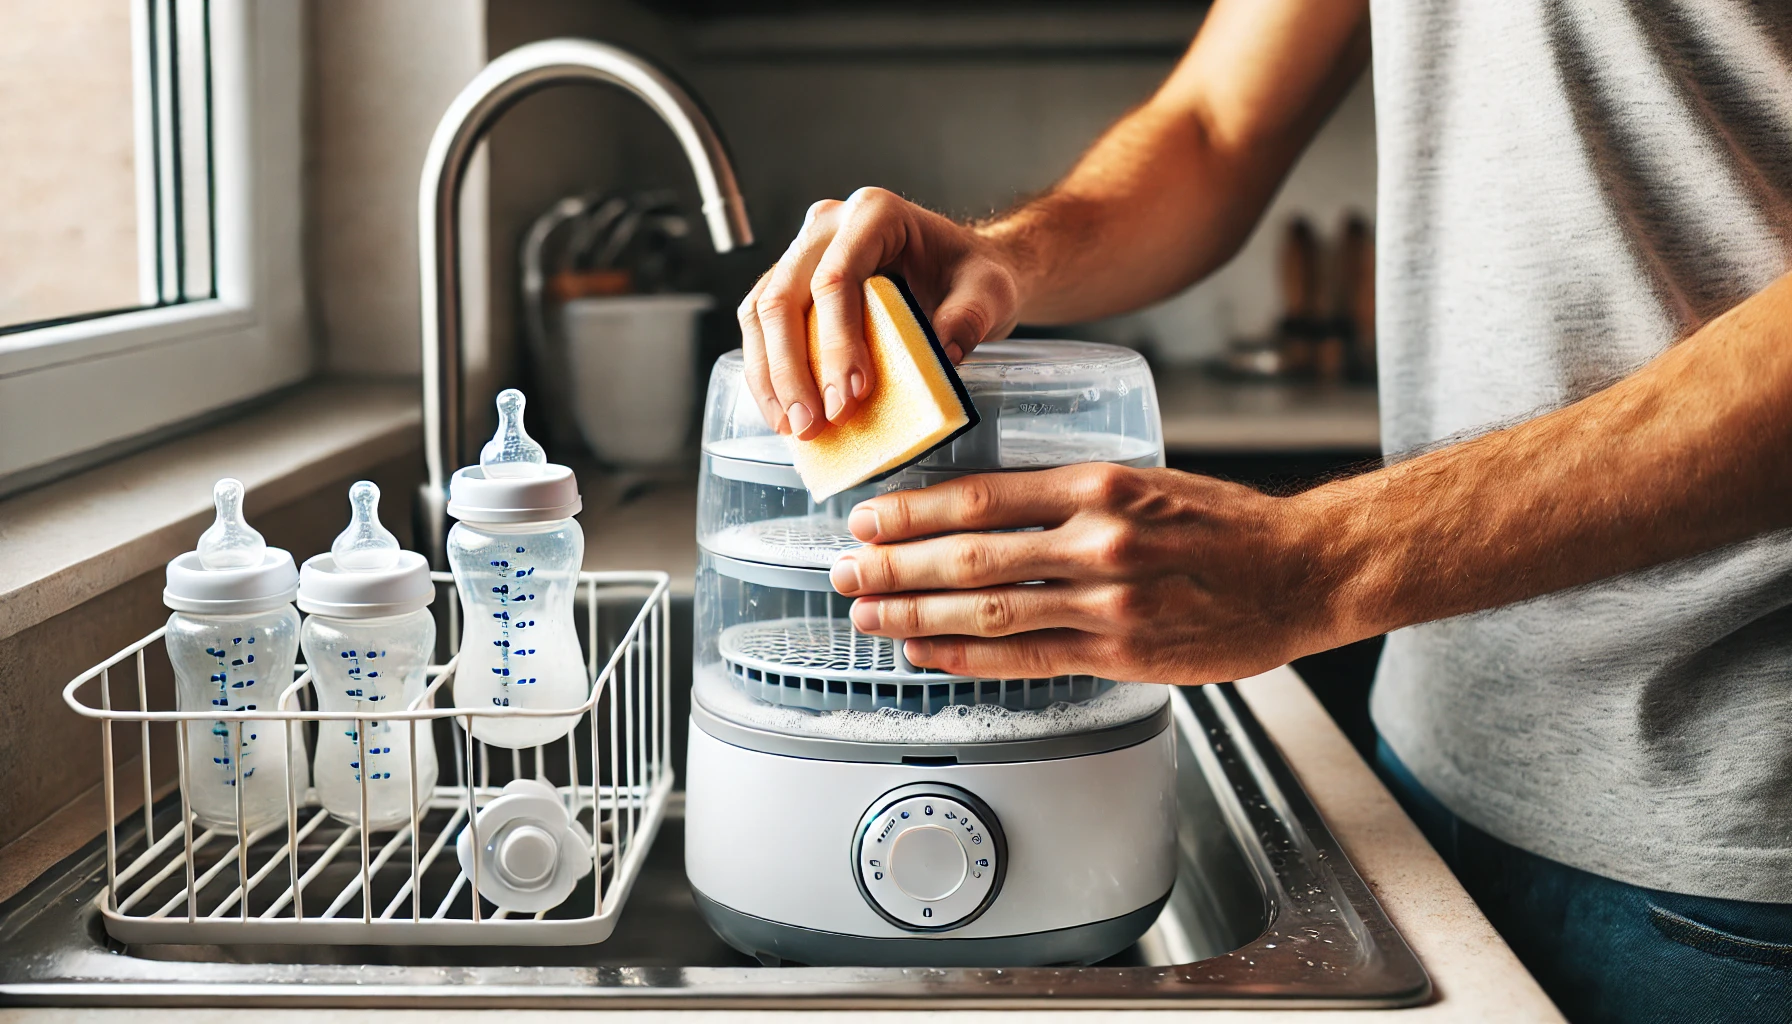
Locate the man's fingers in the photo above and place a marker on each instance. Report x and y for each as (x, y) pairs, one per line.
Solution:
(959, 562)
(990, 501)
(783, 311)
(752, 345)
(871, 232)
(1024, 656)
(989, 612)
(980, 306)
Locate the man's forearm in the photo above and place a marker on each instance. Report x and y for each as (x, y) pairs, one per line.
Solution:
(1692, 452)
(1150, 209)
(1173, 189)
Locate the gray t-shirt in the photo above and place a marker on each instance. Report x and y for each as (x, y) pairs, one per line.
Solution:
(1566, 189)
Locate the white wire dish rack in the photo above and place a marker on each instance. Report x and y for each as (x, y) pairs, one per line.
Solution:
(315, 879)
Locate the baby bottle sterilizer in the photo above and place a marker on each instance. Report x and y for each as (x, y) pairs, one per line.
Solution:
(847, 808)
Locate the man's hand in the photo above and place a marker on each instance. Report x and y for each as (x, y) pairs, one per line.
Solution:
(968, 286)
(1147, 575)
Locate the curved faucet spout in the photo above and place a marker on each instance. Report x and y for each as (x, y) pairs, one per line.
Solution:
(503, 82)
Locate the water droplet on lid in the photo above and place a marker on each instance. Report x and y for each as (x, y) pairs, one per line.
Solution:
(230, 542)
(511, 453)
(366, 546)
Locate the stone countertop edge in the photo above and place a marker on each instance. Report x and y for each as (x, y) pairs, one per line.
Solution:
(1475, 975)
(68, 541)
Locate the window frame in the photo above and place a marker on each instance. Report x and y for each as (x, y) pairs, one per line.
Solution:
(94, 384)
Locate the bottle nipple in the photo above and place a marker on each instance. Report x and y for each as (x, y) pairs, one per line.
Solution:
(230, 542)
(511, 452)
(366, 546)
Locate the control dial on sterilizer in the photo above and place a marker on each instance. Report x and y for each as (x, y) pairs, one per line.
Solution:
(929, 857)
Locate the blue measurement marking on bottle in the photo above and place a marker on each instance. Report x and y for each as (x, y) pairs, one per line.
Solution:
(245, 750)
(365, 689)
(231, 661)
(220, 654)
(504, 595)
(511, 592)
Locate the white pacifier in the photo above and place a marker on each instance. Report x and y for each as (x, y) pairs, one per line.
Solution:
(531, 854)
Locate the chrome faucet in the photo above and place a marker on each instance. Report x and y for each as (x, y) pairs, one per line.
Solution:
(524, 70)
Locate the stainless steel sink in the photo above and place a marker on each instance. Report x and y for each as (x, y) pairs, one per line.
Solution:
(1266, 912)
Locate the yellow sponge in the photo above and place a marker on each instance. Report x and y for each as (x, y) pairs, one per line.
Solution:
(917, 402)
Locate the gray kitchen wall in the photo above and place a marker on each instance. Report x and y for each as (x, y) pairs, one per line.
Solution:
(378, 76)
(963, 113)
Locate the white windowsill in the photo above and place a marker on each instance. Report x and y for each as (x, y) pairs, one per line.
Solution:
(84, 340)
(66, 542)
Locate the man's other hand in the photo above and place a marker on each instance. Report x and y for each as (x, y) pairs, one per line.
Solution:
(1143, 575)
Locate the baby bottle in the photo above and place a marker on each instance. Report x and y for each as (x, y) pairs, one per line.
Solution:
(516, 553)
(368, 637)
(232, 641)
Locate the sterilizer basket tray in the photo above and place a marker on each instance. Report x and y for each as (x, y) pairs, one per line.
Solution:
(827, 665)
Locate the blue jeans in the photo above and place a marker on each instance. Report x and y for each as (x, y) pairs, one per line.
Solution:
(1605, 950)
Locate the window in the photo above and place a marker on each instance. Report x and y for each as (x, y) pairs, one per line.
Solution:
(149, 232)
(113, 210)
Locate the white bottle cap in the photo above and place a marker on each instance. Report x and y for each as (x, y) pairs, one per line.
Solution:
(325, 588)
(475, 498)
(259, 588)
(233, 571)
(532, 853)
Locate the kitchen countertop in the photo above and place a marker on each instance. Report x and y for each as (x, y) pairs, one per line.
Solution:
(1203, 415)
(1475, 975)
(643, 523)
